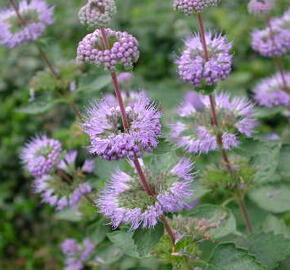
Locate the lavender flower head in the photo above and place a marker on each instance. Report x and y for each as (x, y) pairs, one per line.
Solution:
(192, 66)
(97, 13)
(270, 93)
(60, 189)
(36, 15)
(125, 201)
(274, 40)
(77, 254)
(41, 155)
(260, 7)
(123, 49)
(108, 138)
(193, 6)
(194, 132)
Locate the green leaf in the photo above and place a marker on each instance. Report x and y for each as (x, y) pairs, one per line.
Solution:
(284, 161)
(146, 239)
(124, 241)
(96, 85)
(97, 231)
(108, 255)
(222, 218)
(69, 215)
(39, 106)
(268, 248)
(272, 197)
(163, 147)
(228, 257)
(266, 160)
(276, 225)
(263, 112)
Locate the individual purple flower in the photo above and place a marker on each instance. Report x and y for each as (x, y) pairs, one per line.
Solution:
(270, 93)
(125, 77)
(125, 201)
(123, 49)
(36, 15)
(41, 155)
(77, 254)
(68, 163)
(108, 138)
(70, 247)
(193, 6)
(194, 132)
(97, 13)
(259, 7)
(192, 66)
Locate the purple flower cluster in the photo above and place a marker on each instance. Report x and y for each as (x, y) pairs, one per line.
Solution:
(108, 138)
(274, 41)
(97, 13)
(56, 192)
(36, 16)
(194, 131)
(125, 201)
(193, 67)
(76, 254)
(123, 49)
(192, 6)
(41, 155)
(270, 93)
(258, 7)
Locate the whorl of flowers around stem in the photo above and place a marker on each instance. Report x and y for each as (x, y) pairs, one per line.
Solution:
(41, 155)
(194, 132)
(270, 93)
(260, 7)
(193, 67)
(108, 138)
(66, 187)
(125, 201)
(36, 14)
(193, 6)
(272, 42)
(77, 254)
(123, 49)
(97, 13)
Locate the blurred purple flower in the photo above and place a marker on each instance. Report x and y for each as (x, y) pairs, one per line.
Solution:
(192, 6)
(36, 14)
(194, 132)
(258, 7)
(41, 155)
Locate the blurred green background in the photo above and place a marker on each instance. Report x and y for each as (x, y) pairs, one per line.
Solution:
(29, 236)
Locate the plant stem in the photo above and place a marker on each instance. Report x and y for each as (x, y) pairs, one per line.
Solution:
(75, 109)
(245, 214)
(144, 181)
(214, 122)
(277, 59)
(42, 53)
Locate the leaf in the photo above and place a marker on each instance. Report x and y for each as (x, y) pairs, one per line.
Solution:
(221, 218)
(97, 231)
(268, 248)
(263, 112)
(266, 160)
(163, 147)
(96, 85)
(146, 239)
(284, 161)
(124, 241)
(277, 226)
(108, 255)
(228, 257)
(69, 215)
(39, 106)
(272, 197)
